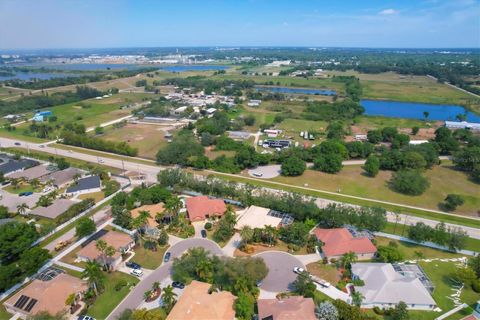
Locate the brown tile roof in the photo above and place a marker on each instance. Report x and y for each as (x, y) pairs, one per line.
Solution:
(152, 208)
(197, 304)
(340, 241)
(199, 208)
(118, 240)
(287, 309)
(51, 295)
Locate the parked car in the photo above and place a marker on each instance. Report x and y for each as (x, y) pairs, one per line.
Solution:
(256, 174)
(298, 270)
(133, 265)
(25, 194)
(41, 146)
(167, 257)
(101, 161)
(136, 272)
(178, 285)
(61, 244)
(17, 144)
(204, 233)
(85, 318)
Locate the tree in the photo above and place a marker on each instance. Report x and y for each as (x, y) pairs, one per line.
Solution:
(22, 208)
(420, 232)
(374, 136)
(85, 227)
(388, 254)
(244, 306)
(106, 251)
(293, 166)
(35, 183)
(163, 238)
(357, 298)
(173, 205)
(95, 278)
(452, 201)
(372, 165)
(413, 160)
(426, 114)
(335, 130)
(409, 182)
(304, 286)
(246, 233)
(326, 311)
(168, 297)
(15, 183)
(474, 264)
(400, 312)
(348, 259)
(415, 130)
(331, 163)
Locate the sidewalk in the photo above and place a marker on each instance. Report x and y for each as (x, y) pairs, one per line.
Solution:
(232, 245)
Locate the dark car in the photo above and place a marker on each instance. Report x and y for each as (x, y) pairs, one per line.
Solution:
(178, 285)
(85, 318)
(167, 257)
(25, 194)
(203, 233)
(17, 143)
(133, 265)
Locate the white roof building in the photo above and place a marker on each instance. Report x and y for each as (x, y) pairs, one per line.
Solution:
(256, 217)
(384, 287)
(417, 142)
(462, 125)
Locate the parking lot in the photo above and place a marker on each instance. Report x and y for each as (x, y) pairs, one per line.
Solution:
(265, 172)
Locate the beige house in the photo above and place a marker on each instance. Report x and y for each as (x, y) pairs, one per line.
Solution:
(49, 296)
(122, 243)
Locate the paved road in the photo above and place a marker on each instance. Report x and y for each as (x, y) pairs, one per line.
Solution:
(135, 297)
(280, 270)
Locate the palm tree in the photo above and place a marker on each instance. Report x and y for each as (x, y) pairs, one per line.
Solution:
(204, 270)
(95, 278)
(156, 286)
(347, 259)
(101, 246)
(109, 252)
(173, 205)
(15, 183)
(357, 298)
(247, 234)
(426, 114)
(34, 183)
(397, 219)
(270, 234)
(76, 176)
(168, 297)
(22, 208)
(147, 294)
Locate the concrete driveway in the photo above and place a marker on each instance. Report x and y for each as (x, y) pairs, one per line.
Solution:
(11, 201)
(280, 270)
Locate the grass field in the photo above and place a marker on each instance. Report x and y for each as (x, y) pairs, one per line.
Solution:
(149, 259)
(352, 181)
(409, 250)
(110, 298)
(97, 196)
(324, 271)
(147, 138)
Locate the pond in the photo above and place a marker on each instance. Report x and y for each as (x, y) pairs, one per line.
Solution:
(37, 75)
(91, 66)
(413, 110)
(183, 68)
(297, 91)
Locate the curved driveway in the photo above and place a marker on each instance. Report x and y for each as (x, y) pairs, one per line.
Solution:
(280, 270)
(135, 297)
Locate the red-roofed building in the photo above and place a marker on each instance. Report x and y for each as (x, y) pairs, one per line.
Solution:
(202, 207)
(339, 241)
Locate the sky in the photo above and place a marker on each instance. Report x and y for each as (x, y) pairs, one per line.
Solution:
(37, 24)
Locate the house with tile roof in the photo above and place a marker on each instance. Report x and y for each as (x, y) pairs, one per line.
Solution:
(202, 207)
(294, 307)
(385, 287)
(197, 303)
(338, 241)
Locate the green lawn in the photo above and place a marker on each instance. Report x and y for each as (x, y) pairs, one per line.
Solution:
(352, 181)
(4, 315)
(149, 259)
(110, 298)
(22, 187)
(409, 249)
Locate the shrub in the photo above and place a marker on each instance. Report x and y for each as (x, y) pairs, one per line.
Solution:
(476, 285)
(208, 226)
(120, 285)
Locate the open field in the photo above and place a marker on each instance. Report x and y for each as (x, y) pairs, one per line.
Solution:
(352, 181)
(147, 138)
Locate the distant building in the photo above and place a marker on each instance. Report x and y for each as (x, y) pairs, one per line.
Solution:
(197, 303)
(239, 135)
(41, 116)
(384, 287)
(361, 137)
(202, 207)
(417, 142)
(294, 307)
(338, 241)
(85, 185)
(462, 125)
(13, 166)
(254, 103)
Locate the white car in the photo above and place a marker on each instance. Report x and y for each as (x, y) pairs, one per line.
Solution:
(298, 270)
(256, 174)
(101, 160)
(136, 272)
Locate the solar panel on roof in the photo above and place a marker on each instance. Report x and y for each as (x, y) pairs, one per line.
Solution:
(21, 301)
(30, 305)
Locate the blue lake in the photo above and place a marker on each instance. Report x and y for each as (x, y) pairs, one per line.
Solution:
(297, 91)
(37, 75)
(183, 68)
(413, 110)
(92, 66)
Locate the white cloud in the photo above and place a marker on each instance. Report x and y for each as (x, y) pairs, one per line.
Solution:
(388, 12)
